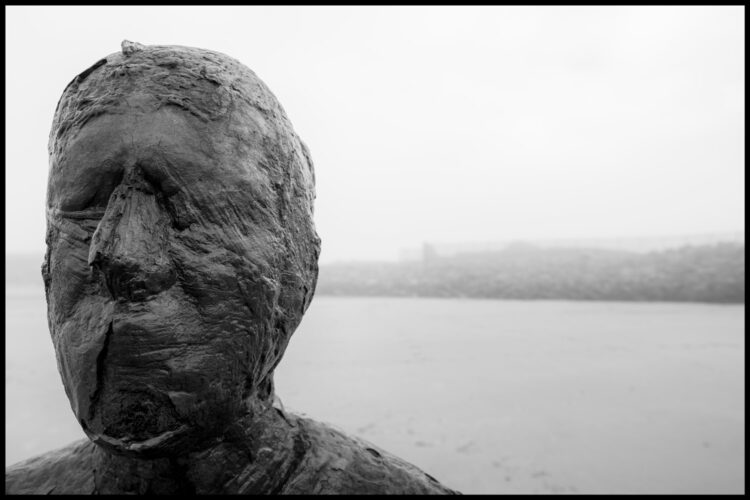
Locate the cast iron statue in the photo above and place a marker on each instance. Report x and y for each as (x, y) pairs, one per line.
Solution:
(181, 256)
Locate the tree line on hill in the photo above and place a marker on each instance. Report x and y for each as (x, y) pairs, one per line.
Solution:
(706, 273)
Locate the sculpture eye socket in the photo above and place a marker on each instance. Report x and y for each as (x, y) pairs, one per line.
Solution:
(87, 214)
(75, 226)
(79, 224)
(87, 193)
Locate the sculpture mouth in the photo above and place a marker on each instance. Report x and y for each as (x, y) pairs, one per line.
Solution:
(134, 420)
(137, 422)
(127, 444)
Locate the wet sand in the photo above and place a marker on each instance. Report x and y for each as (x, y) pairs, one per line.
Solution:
(487, 396)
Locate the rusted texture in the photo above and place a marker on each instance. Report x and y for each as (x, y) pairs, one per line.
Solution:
(181, 256)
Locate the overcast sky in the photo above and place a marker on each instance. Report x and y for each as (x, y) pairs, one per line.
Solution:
(443, 124)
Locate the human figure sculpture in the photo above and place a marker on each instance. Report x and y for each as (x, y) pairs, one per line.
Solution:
(181, 256)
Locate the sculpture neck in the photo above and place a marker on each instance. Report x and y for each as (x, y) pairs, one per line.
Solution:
(257, 454)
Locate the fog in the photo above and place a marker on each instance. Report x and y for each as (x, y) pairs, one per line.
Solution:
(444, 123)
(535, 175)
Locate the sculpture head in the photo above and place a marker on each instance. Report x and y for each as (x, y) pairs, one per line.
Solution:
(181, 250)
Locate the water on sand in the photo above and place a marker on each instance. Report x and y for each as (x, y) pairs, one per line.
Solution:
(487, 396)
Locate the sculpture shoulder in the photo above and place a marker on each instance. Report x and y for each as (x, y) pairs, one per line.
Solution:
(336, 463)
(67, 470)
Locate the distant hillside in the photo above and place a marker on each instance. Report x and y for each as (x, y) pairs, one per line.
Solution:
(642, 244)
(703, 273)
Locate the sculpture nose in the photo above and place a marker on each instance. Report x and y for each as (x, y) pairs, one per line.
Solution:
(130, 245)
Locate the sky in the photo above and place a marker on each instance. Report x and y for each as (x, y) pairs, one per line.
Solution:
(442, 124)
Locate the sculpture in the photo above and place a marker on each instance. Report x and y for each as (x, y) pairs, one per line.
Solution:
(181, 256)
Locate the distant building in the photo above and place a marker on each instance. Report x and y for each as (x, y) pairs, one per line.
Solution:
(428, 253)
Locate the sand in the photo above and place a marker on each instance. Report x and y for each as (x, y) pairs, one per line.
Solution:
(487, 396)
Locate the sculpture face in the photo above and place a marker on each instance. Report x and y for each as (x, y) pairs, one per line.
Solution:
(181, 257)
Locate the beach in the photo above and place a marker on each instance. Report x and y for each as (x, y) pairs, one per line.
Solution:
(488, 396)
